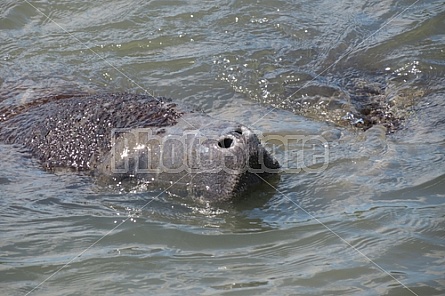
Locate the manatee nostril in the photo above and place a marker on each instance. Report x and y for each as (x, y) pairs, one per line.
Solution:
(225, 143)
(239, 131)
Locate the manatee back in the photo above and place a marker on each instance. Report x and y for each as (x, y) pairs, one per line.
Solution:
(74, 132)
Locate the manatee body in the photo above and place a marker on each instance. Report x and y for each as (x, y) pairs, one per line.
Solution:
(140, 138)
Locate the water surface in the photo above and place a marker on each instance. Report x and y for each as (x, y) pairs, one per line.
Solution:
(371, 223)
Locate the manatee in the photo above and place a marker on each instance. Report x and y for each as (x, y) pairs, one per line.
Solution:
(137, 137)
(361, 102)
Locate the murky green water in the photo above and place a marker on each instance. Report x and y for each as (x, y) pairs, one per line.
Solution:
(371, 223)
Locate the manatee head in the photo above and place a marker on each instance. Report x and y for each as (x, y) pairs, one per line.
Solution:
(200, 156)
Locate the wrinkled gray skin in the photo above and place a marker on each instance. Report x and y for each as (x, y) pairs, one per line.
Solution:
(139, 138)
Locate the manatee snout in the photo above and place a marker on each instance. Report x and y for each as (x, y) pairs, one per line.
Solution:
(239, 162)
(241, 140)
(232, 137)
